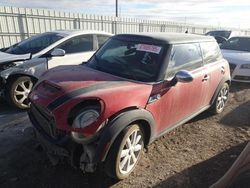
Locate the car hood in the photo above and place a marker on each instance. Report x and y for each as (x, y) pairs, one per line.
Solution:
(236, 57)
(79, 80)
(5, 57)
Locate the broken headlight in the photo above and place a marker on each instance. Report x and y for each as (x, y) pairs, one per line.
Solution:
(85, 118)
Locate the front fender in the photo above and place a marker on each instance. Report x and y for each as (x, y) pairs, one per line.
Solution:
(34, 71)
(115, 127)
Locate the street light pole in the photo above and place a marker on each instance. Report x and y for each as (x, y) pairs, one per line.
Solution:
(116, 8)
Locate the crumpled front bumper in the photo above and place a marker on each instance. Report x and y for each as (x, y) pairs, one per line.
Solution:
(54, 152)
(64, 148)
(55, 149)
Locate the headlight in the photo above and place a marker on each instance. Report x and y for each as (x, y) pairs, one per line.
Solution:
(7, 66)
(85, 118)
(245, 66)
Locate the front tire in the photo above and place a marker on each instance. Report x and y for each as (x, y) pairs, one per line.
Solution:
(18, 91)
(125, 153)
(221, 99)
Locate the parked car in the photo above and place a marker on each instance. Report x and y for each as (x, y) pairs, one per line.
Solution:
(237, 52)
(134, 89)
(238, 176)
(226, 34)
(220, 39)
(23, 63)
(222, 36)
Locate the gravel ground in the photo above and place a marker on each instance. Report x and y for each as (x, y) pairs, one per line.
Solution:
(194, 155)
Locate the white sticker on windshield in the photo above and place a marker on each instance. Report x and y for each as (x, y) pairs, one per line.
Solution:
(149, 48)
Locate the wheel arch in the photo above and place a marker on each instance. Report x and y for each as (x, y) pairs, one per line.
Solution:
(141, 117)
(224, 80)
(12, 77)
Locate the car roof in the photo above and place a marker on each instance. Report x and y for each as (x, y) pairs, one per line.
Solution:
(218, 30)
(80, 32)
(172, 38)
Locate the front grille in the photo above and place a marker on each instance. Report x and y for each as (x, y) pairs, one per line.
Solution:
(44, 120)
(245, 78)
(232, 67)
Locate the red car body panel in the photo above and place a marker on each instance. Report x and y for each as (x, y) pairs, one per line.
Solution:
(216, 73)
(127, 94)
(177, 102)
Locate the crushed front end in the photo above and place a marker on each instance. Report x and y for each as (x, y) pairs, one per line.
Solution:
(59, 145)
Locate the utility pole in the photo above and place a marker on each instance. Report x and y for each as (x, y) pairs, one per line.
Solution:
(116, 8)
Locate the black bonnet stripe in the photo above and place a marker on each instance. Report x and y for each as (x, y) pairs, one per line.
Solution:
(60, 100)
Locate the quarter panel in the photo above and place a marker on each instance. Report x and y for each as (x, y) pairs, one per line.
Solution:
(216, 75)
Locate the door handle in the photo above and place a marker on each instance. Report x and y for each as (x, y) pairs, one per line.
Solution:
(223, 70)
(206, 78)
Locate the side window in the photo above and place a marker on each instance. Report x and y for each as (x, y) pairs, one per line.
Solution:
(184, 57)
(102, 39)
(78, 44)
(211, 52)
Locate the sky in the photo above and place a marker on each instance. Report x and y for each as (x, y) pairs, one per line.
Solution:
(219, 13)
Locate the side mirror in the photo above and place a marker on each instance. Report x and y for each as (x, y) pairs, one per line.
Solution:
(57, 52)
(183, 76)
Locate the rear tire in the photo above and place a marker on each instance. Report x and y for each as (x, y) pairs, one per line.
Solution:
(18, 90)
(220, 100)
(125, 153)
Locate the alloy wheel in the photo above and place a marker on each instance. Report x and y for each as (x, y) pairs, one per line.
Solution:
(222, 98)
(130, 153)
(22, 91)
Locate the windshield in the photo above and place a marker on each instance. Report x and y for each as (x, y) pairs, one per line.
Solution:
(129, 59)
(237, 43)
(35, 44)
(225, 34)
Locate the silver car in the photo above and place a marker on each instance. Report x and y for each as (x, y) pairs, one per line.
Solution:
(23, 63)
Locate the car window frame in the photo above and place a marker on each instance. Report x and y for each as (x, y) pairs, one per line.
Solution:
(97, 42)
(214, 60)
(93, 43)
(182, 67)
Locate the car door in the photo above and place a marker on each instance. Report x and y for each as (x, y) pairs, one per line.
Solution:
(77, 50)
(215, 67)
(182, 100)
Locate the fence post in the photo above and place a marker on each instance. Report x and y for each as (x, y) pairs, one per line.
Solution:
(102, 23)
(162, 28)
(21, 26)
(114, 29)
(79, 23)
(27, 26)
(76, 23)
(140, 27)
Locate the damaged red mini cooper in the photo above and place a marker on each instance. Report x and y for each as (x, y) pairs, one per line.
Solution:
(134, 89)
